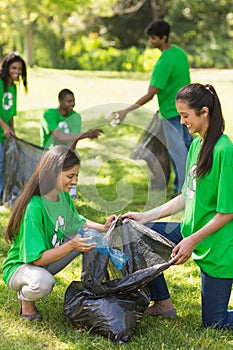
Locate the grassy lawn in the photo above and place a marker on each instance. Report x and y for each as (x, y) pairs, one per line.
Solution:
(109, 182)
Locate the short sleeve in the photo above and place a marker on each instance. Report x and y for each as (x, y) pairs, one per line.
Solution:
(32, 236)
(225, 193)
(49, 121)
(161, 73)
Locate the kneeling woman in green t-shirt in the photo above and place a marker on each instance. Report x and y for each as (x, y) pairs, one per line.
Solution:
(40, 228)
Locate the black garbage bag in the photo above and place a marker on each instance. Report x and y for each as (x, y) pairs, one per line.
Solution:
(21, 159)
(112, 302)
(114, 316)
(151, 147)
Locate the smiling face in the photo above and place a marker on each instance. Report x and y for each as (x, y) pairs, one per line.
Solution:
(194, 122)
(15, 71)
(67, 179)
(156, 42)
(67, 104)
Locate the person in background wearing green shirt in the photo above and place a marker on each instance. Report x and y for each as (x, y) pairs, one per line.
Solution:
(170, 73)
(42, 230)
(206, 232)
(62, 126)
(13, 69)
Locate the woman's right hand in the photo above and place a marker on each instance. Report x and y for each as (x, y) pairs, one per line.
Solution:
(94, 133)
(121, 115)
(56, 253)
(81, 244)
(8, 132)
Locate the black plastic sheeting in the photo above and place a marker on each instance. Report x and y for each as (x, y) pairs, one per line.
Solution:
(151, 147)
(21, 159)
(111, 302)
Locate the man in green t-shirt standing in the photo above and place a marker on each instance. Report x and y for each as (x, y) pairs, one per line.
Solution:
(170, 73)
(62, 125)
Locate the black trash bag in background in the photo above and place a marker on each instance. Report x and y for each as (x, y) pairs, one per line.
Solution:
(21, 159)
(112, 302)
(151, 147)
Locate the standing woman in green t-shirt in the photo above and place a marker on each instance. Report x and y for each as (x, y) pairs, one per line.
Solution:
(13, 69)
(206, 232)
(42, 230)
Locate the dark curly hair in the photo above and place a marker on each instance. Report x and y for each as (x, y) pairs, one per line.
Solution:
(4, 71)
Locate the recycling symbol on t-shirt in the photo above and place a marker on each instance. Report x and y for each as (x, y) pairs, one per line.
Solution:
(191, 182)
(7, 100)
(64, 126)
(60, 222)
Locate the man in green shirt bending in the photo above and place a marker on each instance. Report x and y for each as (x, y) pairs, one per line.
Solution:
(170, 73)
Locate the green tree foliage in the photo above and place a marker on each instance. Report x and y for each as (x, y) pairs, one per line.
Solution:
(130, 19)
(205, 29)
(95, 53)
(57, 33)
(24, 20)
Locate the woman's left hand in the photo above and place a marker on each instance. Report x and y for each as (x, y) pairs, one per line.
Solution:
(109, 221)
(183, 251)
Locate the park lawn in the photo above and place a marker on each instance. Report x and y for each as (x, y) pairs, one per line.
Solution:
(109, 182)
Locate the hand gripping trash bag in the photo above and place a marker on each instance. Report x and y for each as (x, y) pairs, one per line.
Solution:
(21, 159)
(109, 301)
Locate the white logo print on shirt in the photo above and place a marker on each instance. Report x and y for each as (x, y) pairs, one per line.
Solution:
(7, 100)
(59, 223)
(64, 126)
(191, 182)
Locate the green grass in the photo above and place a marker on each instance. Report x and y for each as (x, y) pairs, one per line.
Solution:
(109, 182)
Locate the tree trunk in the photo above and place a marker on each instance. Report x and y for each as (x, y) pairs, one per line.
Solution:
(158, 9)
(28, 38)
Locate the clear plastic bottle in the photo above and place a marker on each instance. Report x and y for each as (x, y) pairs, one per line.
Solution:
(113, 118)
(117, 257)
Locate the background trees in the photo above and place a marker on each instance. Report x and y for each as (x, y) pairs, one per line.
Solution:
(88, 34)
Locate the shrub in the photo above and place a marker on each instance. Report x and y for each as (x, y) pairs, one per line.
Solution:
(95, 53)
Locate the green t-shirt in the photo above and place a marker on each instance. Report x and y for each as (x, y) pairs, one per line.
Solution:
(53, 120)
(45, 225)
(204, 198)
(7, 105)
(170, 73)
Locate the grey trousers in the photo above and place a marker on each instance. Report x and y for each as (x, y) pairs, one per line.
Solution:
(33, 282)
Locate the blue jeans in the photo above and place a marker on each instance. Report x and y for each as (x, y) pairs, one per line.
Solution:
(215, 295)
(171, 230)
(215, 292)
(178, 141)
(1, 169)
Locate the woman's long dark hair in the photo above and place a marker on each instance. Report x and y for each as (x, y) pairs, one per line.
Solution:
(42, 181)
(4, 72)
(197, 96)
